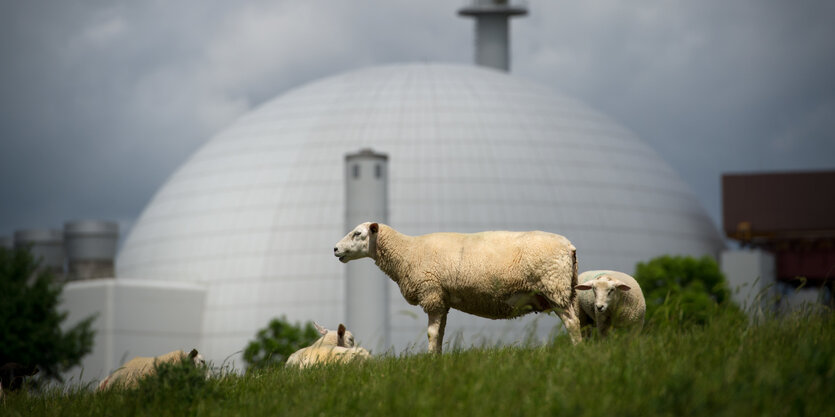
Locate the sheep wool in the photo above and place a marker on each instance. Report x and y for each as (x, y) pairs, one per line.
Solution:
(132, 371)
(495, 274)
(323, 354)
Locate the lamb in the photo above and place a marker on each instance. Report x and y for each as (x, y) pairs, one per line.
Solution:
(333, 346)
(131, 372)
(615, 300)
(321, 354)
(495, 275)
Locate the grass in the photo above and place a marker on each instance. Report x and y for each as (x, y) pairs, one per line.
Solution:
(729, 367)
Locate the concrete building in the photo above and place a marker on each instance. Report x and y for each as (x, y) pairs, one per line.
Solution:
(244, 229)
(253, 214)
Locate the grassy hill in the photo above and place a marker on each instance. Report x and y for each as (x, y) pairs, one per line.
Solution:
(728, 367)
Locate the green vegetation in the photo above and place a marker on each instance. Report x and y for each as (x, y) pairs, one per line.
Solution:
(726, 367)
(274, 344)
(30, 323)
(682, 290)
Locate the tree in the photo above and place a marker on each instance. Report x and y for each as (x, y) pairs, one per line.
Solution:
(275, 343)
(683, 290)
(30, 324)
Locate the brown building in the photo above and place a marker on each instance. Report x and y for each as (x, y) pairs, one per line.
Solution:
(790, 216)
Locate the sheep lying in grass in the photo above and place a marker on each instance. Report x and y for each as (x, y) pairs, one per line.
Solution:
(333, 346)
(321, 354)
(496, 275)
(610, 299)
(135, 369)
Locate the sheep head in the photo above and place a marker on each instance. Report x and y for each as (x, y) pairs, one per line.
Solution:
(340, 337)
(604, 288)
(359, 243)
(197, 358)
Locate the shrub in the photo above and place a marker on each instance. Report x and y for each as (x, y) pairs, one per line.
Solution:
(175, 387)
(683, 290)
(275, 343)
(30, 323)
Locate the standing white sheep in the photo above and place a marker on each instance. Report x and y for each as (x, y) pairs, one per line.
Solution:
(610, 299)
(333, 346)
(496, 275)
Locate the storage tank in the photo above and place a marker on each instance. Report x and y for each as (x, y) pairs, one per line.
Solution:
(91, 248)
(6, 242)
(46, 245)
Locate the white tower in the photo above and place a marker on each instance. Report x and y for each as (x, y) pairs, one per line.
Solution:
(366, 199)
(492, 48)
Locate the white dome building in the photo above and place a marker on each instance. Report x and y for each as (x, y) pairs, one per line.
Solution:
(254, 214)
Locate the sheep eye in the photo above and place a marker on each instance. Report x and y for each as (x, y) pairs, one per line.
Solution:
(356, 234)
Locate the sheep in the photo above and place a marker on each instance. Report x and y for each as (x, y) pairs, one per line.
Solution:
(315, 354)
(333, 346)
(496, 275)
(615, 300)
(131, 372)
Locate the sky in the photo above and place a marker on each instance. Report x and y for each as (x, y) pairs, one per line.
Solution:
(101, 101)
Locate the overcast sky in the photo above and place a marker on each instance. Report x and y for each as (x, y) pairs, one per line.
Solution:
(100, 101)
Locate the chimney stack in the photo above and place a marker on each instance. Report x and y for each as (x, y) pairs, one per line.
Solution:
(492, 46)
(366, 287)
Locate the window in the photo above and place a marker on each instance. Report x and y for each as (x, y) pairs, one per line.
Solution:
(355, 171)
(378, 171)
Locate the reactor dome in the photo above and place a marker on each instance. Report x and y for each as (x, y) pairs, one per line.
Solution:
(254, 214)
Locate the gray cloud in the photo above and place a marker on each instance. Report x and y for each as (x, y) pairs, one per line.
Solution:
(101, 101)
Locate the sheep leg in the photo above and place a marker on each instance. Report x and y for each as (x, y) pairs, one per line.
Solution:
(435, 332)
(572, 323)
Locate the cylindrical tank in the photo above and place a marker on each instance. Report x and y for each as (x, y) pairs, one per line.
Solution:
(46, 246)
(366, 199)
(6, 242)
(91, 248)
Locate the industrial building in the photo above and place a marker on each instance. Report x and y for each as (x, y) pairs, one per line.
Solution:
(253, 214)
(244, 230)
(785, 227)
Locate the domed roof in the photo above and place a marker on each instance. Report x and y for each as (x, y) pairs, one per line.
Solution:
(255, 212)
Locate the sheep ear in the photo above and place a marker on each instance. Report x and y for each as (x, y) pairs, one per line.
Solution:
(624, 287)
(323, 331)
(341, 330)
(374, 227)
(192, 354)
(582, 287)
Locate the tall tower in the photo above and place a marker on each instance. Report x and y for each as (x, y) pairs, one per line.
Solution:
(366, 199)
(492, 48)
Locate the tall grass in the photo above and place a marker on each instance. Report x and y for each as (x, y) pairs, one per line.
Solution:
(775, 366)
